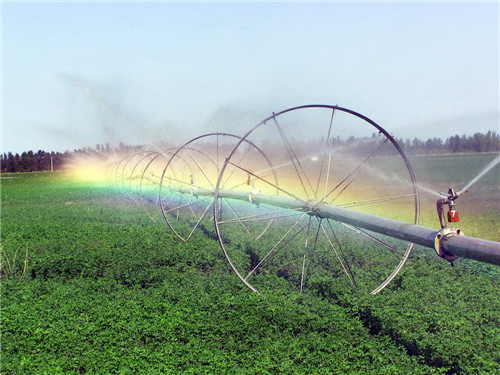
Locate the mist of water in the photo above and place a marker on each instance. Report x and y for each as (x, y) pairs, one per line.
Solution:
(119, 124)
(429, 191)
(486, 169)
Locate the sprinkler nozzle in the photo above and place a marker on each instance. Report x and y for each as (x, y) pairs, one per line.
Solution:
(452, 212)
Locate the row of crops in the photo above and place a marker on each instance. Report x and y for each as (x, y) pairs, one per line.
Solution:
(92, 285)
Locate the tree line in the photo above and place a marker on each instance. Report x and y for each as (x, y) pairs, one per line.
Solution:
(30, 161)
(489, 142)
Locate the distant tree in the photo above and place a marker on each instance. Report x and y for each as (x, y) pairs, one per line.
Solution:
(493, 141)
(454, 143)
(417, 144)
(407, 145)
(26, 162)
(43, 161)
(479, 142)
(3, 163)
(16, 162)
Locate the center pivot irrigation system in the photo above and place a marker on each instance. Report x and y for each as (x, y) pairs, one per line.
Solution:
(310, 193)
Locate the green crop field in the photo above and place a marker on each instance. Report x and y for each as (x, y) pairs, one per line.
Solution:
(90, 284)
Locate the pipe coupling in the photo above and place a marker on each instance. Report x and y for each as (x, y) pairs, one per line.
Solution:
(440, 243)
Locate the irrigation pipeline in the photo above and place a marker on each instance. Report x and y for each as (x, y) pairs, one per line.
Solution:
(459, 245)
(200, 157)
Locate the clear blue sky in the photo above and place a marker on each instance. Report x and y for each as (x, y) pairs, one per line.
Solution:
(76, 74)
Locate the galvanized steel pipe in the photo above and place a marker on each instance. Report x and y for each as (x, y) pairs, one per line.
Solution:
(467, 247)
(464, 246)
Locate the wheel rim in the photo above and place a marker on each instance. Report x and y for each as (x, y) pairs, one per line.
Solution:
(189, 179)
(372, 175)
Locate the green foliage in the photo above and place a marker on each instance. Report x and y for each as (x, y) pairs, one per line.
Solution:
(107, 290)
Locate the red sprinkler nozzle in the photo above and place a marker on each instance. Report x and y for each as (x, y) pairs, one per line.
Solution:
(453, 216)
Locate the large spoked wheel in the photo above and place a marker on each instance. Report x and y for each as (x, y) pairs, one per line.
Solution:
(138, 175)
(120, 173)
(188, 181)
(320, 155)
(150, 168)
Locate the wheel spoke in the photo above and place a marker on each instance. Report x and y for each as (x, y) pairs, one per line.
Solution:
(350, 177)
(200, 168)
(199, 220)
(305, 255)
(311, 252)
(269, 183)
(236, 215)
(234, 170)
(345, 266)
(275, 247)
(328, 146)
(295, 160)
